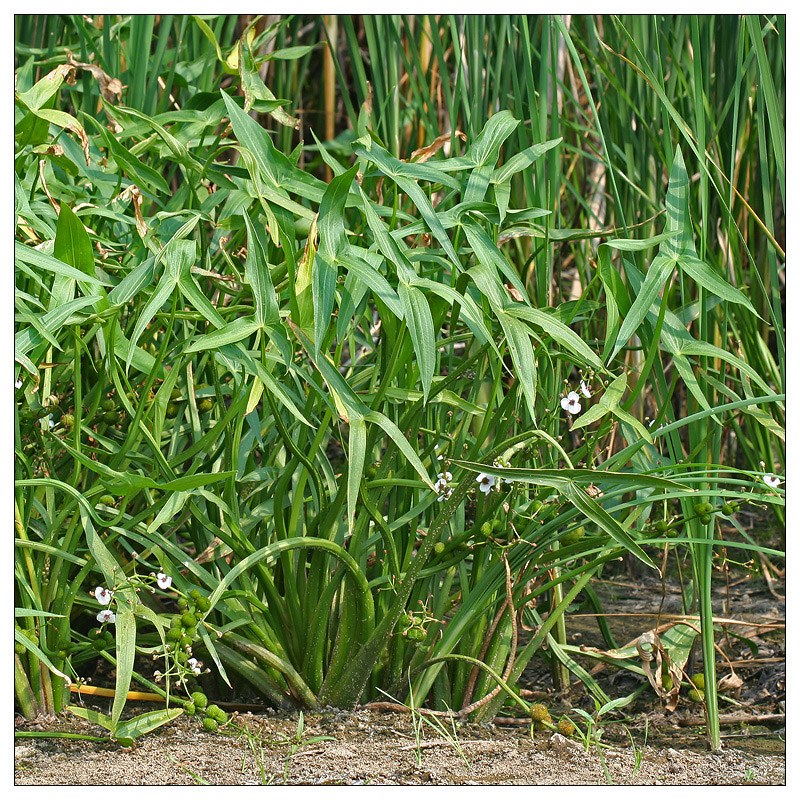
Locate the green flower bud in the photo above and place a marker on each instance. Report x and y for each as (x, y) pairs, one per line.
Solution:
(215, 712)
(486, 529)
(727, 509)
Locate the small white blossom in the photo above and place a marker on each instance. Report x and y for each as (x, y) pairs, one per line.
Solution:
(773, 481)
(50, 421)
(163, 580)
(103, 595)
(486, 482)
(441, 486)
(571, 403)
(106, 615)
(195, 665)
(18, 383)
(585, 390)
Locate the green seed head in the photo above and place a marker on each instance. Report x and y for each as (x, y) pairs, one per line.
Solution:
(172, 410)
(696, 697)
(188, 620)
(106, 500)
(215, 712)
(210, 724)
(565, 727)
(175, 394)
(205, 405)
(68, 421)
(415, 634)
(186, 641)
(110, 418)
(203, 604)
(108, 405)
(174, 634)
(667, 683)
(699, 680)
(573, 537)
(727, 509)
(539, 713)
(438, 548)
(661, 526)
(189, 709)
(486, 529)
(199, 699)
(705, 518)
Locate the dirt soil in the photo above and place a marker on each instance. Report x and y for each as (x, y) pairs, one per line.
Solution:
(368, 747)
(372, 748)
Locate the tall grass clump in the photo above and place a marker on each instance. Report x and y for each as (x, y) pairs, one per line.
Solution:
(337, 386)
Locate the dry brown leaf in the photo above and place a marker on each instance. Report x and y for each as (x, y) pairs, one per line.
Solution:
(424, 153)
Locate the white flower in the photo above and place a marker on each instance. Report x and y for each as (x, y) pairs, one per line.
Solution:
(106, 615)
(571, 403)
(195, 665)
(50, 421)
(585, 390)
(163, 580)
(445, 495)
(773, 481)
(486, 482)
(103, 595)
(18, 383)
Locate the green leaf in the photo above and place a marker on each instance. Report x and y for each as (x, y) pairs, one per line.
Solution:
(144, 723)
(420, 327)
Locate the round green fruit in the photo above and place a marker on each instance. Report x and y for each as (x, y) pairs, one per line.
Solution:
(667, 683)
(539, 712)
(415, 634)
(188, 620)
(705, 518)
(205, 405)
(661, 526)
(210, 724)
(438, 548)
(189, 708)
(172, 410)
(174, 634)
(110, 418)
(175, 394)
(215, 712)
(699, 680)
(194, 594)
(727, 509)
(106, 500)
(573, 537)
(203, 604)
(199, 699)
(565, 727)
(108, 405)
(697, 697)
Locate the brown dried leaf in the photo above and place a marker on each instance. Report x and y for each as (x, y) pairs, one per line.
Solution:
(110, 88)
(424, 153)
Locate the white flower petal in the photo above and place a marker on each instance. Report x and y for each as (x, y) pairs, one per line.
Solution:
(103, 595)
(565, 403)
(585, 391)
(163, 580)
(771, 480)
(106, 615)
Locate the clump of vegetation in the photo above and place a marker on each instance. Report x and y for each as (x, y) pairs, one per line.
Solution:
(372, 402)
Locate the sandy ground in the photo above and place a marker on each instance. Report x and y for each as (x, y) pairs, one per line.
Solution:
(370, 748)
